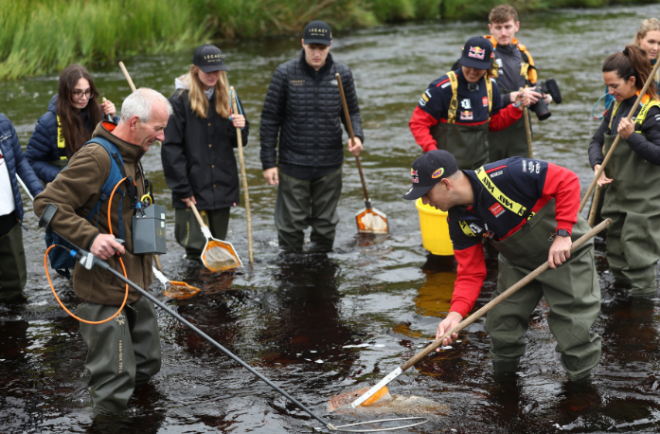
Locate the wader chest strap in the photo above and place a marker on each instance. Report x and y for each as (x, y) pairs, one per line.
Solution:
(61, 144)
(502, 198)
(489, 90)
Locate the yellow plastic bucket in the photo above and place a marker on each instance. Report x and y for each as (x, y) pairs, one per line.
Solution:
(435, 231)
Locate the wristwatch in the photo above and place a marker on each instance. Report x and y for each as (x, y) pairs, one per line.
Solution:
(563, 233)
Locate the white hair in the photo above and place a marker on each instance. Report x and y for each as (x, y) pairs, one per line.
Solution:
(140, 104)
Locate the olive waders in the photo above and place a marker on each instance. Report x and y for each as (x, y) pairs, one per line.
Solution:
(301, 204)
(13, 269)
(571, 290)
(633, 203)
(121, 353)
(510, 142)
(189, 234)
(467, 143)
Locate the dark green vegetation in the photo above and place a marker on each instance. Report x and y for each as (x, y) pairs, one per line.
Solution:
(38, 36)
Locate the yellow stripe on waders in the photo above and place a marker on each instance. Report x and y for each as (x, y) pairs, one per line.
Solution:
(61, 144)
(453, 105)
(502, 198)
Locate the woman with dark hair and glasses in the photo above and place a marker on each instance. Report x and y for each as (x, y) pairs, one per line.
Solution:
(71, 117)
(632, 175)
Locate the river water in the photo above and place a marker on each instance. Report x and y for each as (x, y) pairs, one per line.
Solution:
(318, 325)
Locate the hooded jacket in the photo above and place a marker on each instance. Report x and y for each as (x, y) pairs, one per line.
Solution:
(75, 191)
(16, 164)
(198, 154)
(42, 146)
(304, 109)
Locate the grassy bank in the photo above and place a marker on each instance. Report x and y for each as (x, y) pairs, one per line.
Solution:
(38, 36)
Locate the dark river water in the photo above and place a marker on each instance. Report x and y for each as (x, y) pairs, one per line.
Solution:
(318, 325)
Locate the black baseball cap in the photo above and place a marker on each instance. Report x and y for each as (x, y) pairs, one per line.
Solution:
(317, 32)
(209, 58)
(477, 53)
(428, 170)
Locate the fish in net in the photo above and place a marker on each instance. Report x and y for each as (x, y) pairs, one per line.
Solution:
(372, 222)
(387, 403)
(219, 256)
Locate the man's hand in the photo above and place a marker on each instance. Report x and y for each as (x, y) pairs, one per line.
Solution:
(238, 121)
(104, 246)
(626, 128)
(355, 147)
(189, 200)
(452, 320)
(602, 180)
(271, 176)
(560, 251)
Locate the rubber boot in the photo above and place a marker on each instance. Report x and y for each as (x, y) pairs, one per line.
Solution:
(505, 368)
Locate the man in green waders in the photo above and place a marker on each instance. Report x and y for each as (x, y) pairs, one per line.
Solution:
(527, 209)
(515, 69)
(125, 351)
(457, 111)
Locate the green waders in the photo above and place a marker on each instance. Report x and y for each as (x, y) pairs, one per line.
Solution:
(510, 142)
(13, 269)
(121, 353)
(633, 203)
(571, 290)
(188, 233)
(301, 204)
(468, 144)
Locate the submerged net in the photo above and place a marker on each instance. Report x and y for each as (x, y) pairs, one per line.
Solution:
(219, 256)
(372, 222)
(387, 404)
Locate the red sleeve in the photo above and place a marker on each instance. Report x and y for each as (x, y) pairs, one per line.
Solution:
(564, 186)
(504, 118)
(469, 278)
(420, 125)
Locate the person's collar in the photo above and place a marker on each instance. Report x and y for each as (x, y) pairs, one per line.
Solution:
(129, 152)
(492, 40)
(209, 92)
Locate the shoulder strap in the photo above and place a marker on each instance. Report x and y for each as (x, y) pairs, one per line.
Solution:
(527, 68)
(502, 198)
(61, 144)
(453, 105)
(489, 91)
(639, 120)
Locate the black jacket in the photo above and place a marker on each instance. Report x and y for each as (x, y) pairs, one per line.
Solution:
(303, 106)
(198, 156)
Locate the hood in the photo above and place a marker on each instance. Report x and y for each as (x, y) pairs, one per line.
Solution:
(183, 82)
(52, 106)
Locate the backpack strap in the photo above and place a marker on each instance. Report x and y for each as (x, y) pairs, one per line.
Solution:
(61, 143)
(453, 105)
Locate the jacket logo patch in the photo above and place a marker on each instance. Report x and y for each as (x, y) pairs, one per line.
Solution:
(467, 115)
(477, 52)
(299, 82)
(466, 104)
(497, 209)
(498, 173)
(334, 82)
(484, 101)
(476, 229)
(426, 96)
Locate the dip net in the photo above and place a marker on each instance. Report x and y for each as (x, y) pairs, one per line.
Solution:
(371, 221)
(220, 256)
(383, 402)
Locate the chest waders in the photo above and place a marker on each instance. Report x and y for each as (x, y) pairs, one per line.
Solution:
(633, 203)
(571, 290)
(509, 142)
(467, 143)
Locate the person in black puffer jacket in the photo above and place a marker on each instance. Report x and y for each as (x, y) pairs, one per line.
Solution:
(198, 151)
(303, 106)
(69, 122)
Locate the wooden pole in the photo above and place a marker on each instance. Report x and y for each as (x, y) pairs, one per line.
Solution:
(246, 194)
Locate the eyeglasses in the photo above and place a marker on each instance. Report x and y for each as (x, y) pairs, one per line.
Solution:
(78, 93)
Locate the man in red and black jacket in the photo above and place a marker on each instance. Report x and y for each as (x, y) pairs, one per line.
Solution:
(458, 110)
(528, 210)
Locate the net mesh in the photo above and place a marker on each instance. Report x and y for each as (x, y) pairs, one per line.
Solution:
(387, 404)
(371, 222)
(180, 290)
(219, 256)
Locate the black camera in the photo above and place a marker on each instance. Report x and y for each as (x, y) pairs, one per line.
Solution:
(550, 87)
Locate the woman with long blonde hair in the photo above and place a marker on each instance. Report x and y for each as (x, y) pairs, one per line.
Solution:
(197, 154)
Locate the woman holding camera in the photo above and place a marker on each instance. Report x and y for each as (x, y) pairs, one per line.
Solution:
(632, 174)
(69, 122)
(198, 151)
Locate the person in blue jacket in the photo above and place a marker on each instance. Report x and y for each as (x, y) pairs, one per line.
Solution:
(13, 270)
(68, 124)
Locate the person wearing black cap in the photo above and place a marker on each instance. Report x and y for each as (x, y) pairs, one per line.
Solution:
(303, 108)
(458, 110)
(198, 151)
(515, 204)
